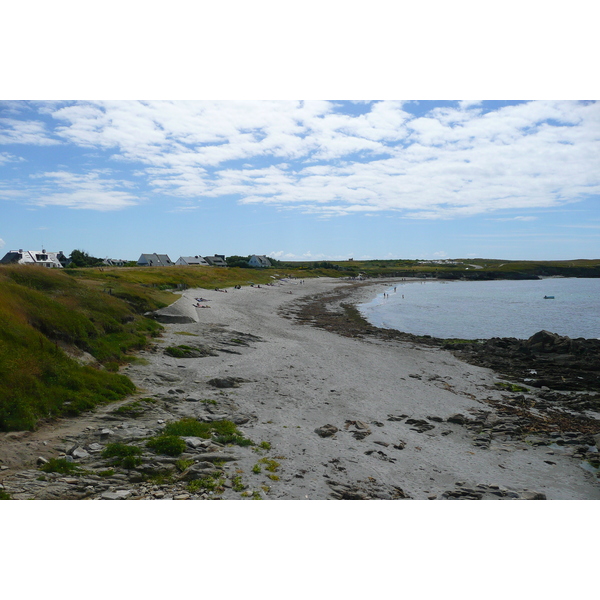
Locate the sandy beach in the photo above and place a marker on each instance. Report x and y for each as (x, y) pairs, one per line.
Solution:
(341, 417)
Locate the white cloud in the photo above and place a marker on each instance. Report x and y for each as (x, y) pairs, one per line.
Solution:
(15, 131)
(449, 163)
(87, 191)
(2, 243)
(5, 157)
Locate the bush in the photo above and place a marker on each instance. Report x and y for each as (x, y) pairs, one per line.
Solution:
(170, 445)
(60, 465)
(123, 455)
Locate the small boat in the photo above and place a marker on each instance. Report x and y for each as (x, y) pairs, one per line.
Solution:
(548, 297)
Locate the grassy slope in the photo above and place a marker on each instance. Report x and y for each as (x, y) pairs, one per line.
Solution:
(99, 311)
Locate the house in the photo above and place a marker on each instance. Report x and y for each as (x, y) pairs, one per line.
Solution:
(114, 262)
(52, 260)
(259, 261)
(154, 260)
(218, 260)
(187, 261)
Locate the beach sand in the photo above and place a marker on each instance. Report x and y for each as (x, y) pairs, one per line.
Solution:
(345, 417)
(299, 378)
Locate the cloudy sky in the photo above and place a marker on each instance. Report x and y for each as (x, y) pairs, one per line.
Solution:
(303, 179)
(377, 173)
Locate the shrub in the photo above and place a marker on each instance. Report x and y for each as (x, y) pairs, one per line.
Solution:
(124, 455)
(4, 495)
(60, 465)
(170, 445)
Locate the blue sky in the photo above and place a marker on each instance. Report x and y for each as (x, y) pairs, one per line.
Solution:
(302, 180)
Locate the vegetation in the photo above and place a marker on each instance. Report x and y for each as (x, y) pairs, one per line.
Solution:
(223, 432)
(511, 387)
(123, 455)
(170, 445)
(4, 495)
(79, 258)
(48, 316)
(60, 465)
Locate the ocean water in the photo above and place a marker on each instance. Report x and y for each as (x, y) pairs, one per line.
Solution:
(485, 309)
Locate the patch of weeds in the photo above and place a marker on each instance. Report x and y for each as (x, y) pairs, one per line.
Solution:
(137, 360)
(186, 333)
(256, 495)
(132, 410)
(237, 484)
(169, 445)
(265, 445)
(183, 464)
(235, 439)
(123, 455)
(270, 464)
(245, 494)
(107, 473)
(160, 478)
(511, 387)
(238, 341)
(4, 495)
(207, 401)
(60, 465)
(209, 484)
(273, 477)
(256, 469)
(265, 488)
(188, 427)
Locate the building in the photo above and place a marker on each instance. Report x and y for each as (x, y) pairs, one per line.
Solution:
(218, 260)
(52, 260)
(186, 261)
(259, 261)
(114, 262)
(154, 260)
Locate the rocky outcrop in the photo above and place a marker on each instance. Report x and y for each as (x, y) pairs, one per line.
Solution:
(544, 360)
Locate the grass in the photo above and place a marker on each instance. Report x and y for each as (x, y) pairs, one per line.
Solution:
(123, 455)
(223, 432)
(169, 445)
(211, 483)
(62, 466)
(4, 495)
(511, 387)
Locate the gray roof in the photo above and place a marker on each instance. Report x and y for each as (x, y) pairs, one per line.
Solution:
(155, 260)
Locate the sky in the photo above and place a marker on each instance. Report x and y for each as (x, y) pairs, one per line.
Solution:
(302, 180)
(347, 160)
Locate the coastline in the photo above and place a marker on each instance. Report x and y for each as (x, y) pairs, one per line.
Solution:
(368, 414)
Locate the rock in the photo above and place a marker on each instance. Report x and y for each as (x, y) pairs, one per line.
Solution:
(326, 430)
(79, 453)
(396, 417)
(41, 461)
(226, 382)
(458, 418)
(533, 496)
(118, 495)
(195, 442)
(199, 470)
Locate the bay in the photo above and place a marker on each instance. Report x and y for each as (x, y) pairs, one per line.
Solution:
(486, 309)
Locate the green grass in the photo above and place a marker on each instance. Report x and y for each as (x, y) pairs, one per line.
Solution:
(511, 387)
(123, 455)
(4, 495)
(169, 445)
(224, 432)
(62, 466)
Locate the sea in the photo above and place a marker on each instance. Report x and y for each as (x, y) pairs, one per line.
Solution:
(486, 309)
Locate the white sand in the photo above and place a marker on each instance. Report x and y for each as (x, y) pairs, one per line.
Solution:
(301, 378)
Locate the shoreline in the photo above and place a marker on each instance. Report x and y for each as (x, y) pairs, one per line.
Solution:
(361, 415)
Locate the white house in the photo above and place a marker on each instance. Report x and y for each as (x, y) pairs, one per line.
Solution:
(154, 260)
(259, 261)
(186, 261)
(52, 260)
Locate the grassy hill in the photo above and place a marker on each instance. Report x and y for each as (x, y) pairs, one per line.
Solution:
(49, 316)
